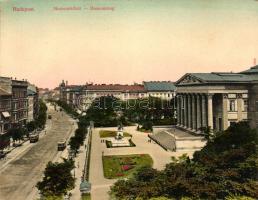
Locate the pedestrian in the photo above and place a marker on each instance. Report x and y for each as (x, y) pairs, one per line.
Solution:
(45, 132)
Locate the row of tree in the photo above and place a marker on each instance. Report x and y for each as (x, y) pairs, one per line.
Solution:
(58, 179)
(78, 139)
(68, 109)
(110, 111)
(226, 166)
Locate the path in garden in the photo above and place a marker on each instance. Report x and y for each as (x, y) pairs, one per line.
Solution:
(101, 185)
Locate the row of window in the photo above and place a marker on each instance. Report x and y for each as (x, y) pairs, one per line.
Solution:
(21, 104)
(20, 94)
(233, 105)
(161, 94)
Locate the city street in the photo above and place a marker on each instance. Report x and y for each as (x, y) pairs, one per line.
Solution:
(24, 166)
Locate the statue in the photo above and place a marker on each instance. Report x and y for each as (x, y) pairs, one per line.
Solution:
(120, 133)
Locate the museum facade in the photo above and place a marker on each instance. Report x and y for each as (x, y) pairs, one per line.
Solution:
(216, 100)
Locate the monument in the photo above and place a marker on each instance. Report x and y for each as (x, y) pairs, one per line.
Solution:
(119, 140)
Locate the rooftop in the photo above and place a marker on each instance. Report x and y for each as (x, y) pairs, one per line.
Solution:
(4, 93)
(159, 86)
(116, 87)
(220, 77)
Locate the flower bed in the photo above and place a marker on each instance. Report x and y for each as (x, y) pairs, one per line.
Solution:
(125, 165)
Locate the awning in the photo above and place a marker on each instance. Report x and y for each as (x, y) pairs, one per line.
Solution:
(6, 114)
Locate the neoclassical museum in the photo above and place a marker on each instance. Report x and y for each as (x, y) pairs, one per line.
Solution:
(217, 99)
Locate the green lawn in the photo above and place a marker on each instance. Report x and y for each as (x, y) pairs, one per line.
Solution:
(86, 197)
(124, 165)
(106, 133)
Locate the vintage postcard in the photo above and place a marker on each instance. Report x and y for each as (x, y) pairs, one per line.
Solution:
(128, 99)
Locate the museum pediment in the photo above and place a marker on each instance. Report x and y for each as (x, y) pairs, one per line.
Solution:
(188, 79)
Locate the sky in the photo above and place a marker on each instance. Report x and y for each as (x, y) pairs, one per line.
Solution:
(139, 40)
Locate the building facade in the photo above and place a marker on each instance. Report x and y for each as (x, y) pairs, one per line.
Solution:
(217, 100)
(33, 102)
(84, 94)
(14, 103)
(19, 103)
(5, 111)
(161, 89)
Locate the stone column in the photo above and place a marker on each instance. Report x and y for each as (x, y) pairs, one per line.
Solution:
(198, 113)
(189, 111)
(239, 107)
(224, 111)
(182, 110)
(204, 110)
(210, 111)
(194, 112)
(185, 110)
(178, 109)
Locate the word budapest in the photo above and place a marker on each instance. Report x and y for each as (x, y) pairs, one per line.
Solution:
(21, 9)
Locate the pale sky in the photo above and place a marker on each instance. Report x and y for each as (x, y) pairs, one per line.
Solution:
(140, 40)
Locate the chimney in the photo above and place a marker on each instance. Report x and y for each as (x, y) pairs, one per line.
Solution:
(254, 61)
(66, 83)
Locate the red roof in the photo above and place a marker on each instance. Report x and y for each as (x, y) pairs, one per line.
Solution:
(116, 87)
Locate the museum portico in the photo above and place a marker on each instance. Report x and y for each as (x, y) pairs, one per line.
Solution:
(216, 100)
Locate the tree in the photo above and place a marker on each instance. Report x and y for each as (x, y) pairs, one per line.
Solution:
(31, 126)
(227, 166)
(74, 144)
(17, 133)
(57, 179)
(4, 141)
(42, 117)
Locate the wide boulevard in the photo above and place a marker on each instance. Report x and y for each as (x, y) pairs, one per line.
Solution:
(24, 166)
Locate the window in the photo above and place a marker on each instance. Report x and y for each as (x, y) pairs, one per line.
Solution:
(245, 105)
(232, 105)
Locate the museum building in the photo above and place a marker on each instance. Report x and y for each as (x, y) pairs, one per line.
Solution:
(217, 99)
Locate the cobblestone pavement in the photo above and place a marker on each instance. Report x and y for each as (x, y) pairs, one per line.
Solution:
(24, 166)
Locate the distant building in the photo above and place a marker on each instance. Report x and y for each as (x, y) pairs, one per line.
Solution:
(217, 100)
(76, 95)
(161, 89)
(123, 92)
(33, 102)
(43, 93)
(54, 94)
(70, 93)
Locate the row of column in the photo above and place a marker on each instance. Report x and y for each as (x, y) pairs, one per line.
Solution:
(194, 111)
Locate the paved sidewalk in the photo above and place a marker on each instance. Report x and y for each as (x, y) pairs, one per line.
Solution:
(78, 171)
(100, 185)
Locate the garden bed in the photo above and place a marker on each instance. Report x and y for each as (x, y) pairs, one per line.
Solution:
(122, 166)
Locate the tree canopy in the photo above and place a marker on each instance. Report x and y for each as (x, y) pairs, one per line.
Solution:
(227, 165)
(57, 179)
